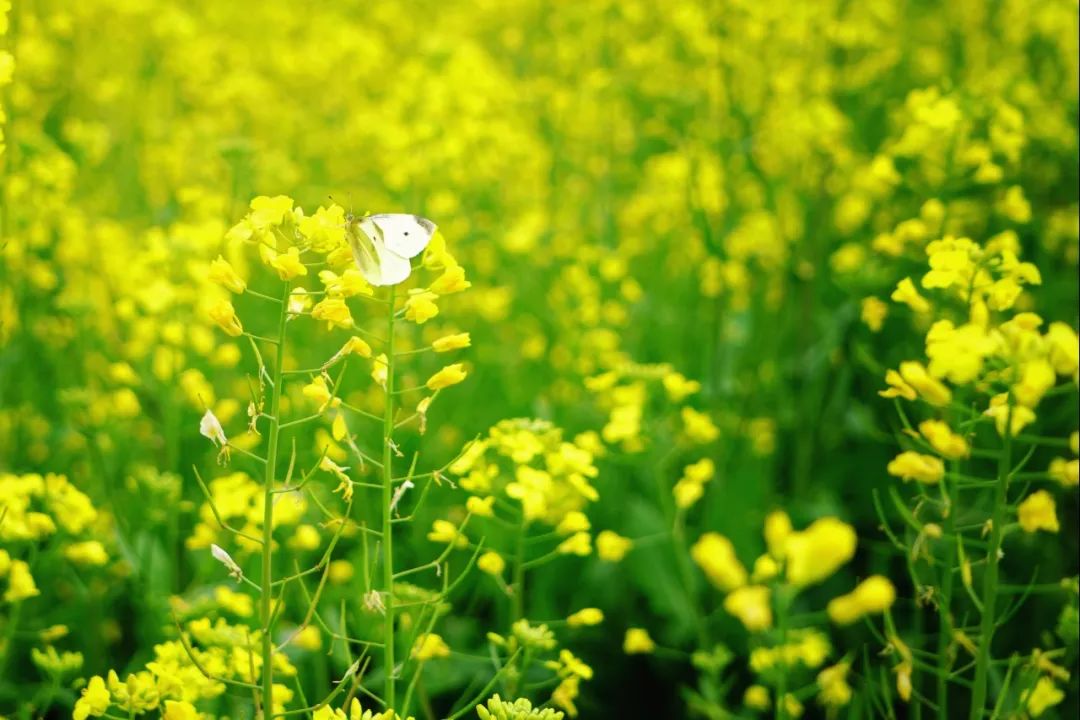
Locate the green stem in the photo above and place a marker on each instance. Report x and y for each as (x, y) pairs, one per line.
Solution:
(518, 598)
(782, 606)
(268, 517)
(945, 608)
(990, 577)
(387, 519)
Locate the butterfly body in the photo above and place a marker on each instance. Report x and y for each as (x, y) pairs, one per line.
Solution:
(383, 244)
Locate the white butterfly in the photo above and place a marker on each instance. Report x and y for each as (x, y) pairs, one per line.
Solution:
(382, 244)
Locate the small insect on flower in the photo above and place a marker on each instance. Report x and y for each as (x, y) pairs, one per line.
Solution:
(383, 244)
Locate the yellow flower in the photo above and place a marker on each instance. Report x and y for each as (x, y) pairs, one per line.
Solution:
(818, 551)
(492, 563)
(481, 507)
(1044, 695)
(451, 281)
(288, 264)
(380, 370)
(222, 273)
(318, 391)
(756, 697)
(751, 605)
(687, 493)
(179, 710)
(89, 552)
(429, 647)
(715, 555)
(579, 544)
(565, 694)
(944, 440)
(1036, 377)
(574, 521)
(20, 582)
(906, 293)
(698, 426)
(835, 691)
(1038, 512)
(444, 531)
(1066, 472)
(910, 465)
(94, 701)
(585, 617)
(224, 314)
(897, 387)
(452, 342)
(873, 313)
(449, 375)
(678, 388)
(1063, 348)
(356, 346)
(421, 307)
(1015, 417)
(612, 547)
(334, 312)
(931, 390)
(638, 642)
(874, 595)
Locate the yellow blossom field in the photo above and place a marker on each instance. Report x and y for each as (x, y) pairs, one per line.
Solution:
(538, 360)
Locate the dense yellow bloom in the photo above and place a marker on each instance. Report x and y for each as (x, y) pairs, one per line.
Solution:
(1038, 511)
(715, 555)
(751, 605)
(611, 546)
(818, 551)
(638, 642)
(448, 376)
(910, 465)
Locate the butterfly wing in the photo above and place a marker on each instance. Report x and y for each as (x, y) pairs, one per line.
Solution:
(403, 234)
(362, 242)
(379, 265)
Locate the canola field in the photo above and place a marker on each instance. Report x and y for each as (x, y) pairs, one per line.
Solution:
(538, 360)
